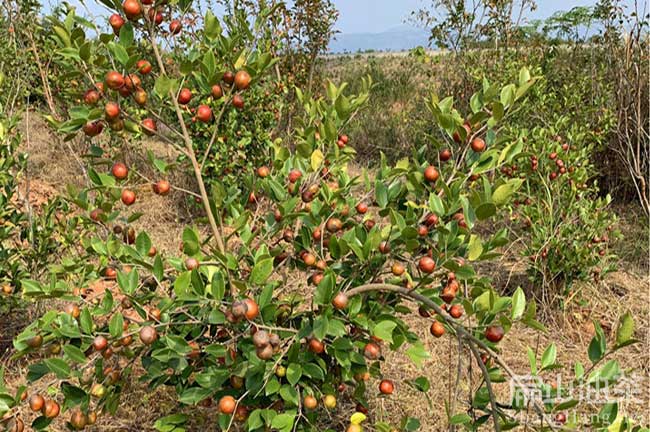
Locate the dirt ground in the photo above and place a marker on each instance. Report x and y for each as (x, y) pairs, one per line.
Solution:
(53, 164)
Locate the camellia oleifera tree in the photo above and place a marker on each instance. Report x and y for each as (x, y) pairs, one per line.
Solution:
(218, 323)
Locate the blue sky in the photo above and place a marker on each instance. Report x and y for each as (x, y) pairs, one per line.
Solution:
(374, 16)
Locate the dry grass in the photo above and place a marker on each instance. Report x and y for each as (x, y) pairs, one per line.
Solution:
(571, 329)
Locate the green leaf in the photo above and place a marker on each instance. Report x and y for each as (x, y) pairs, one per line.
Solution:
(532, 360)
(460, 419)
(518, 304)
(116, 325)
(294, 373)
(74, 353)
(262, 270)
(58, 366)
(549, 356)
(475, 248)
(625, 329)
(283, 422)
(502, 194)
(384, 330)
(485, 211)
(418, 353)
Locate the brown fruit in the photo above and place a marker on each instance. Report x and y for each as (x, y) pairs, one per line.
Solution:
(128, 197)
(384, 247)
(252, 309)
(386, 387)
(242, 80)
(184, 96)
(478, 145)
(217, 91)
(437, 329)
(111, 111)
(238, 101)
(140, 97)
(132, 9)
(560, 418)
(78, 420)
(175, 27)
(100, 343)
(468, 132)
(334, 225)
(36, 402)
(227, 404)
(431, 174)
(398, 269)
(114, 80)
(148, 335)
(116, 21)
(494, 333)
(340, 301)
(91, 97)
(310, 402)
(265, 352)
(35, 342)
(371, 351)
(92, 129)
(316, 346)
(132, 82)
(309, 259)
(261, 338)
(51, 409)
(241, 414)
(229, 77)
(445, 155)
(431, 220)
(204, 113)
(427, 265)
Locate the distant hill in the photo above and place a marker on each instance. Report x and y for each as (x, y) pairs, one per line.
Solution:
(399, 38)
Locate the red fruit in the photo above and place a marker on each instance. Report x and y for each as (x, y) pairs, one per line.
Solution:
(456, 311)
(431, 220)
(294, 175)
(478, 145)
(227, 404)
(147, 2)
(310, 402)
(96, 214)
(191, 264)
(384, 247)
(116, 22)
(144, 67)
(217, 91)
(128, 197)
(423, 230)
(362, 208)
(132, 9)
(204, 113)
(263, 171)
(114, 80)
(119, 171)
(252, 309)
(494, 333)
(437, 329)
(386, 387)
(445, 155)
(427, 265)
(149, 126)
(184, 96)
(91, 97)
(51, 409)
(229, 77)
(111, 110)
(316, 346)
(371, 351)
(238, 102)
(242, 80)
(431, 174)
(161, 187)
(132, 82)
(175, 27)
(155, 16)
(100, 343)
(552, 156)
(340, 301)
(344, 139)
(560, 418)
(468, 132)
(92, 129)
(334, 225)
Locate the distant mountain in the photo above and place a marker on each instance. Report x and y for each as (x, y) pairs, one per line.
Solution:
(399, 38)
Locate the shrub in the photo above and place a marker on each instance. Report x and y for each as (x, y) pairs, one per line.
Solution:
(214, 322)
